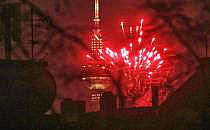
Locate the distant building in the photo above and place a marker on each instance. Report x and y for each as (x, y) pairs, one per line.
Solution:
(108, 103)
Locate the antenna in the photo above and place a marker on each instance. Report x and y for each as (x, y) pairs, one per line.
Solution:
(97, 13)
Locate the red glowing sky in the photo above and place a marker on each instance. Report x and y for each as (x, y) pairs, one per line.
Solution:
(80, 13)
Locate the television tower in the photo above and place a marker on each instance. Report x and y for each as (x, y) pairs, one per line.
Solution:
(95, 70)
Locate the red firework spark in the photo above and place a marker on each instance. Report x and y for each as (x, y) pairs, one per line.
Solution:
(148, 59)
(140, 62)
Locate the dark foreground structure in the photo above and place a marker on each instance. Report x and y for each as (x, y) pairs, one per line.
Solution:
(28, 89)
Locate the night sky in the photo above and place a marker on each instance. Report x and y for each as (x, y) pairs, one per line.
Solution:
(79, 13)
(75, 16)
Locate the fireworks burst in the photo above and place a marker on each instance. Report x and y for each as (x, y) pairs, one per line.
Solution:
(135, 56)
(141, 62)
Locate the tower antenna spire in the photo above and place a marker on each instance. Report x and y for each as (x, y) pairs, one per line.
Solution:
(97, 13)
